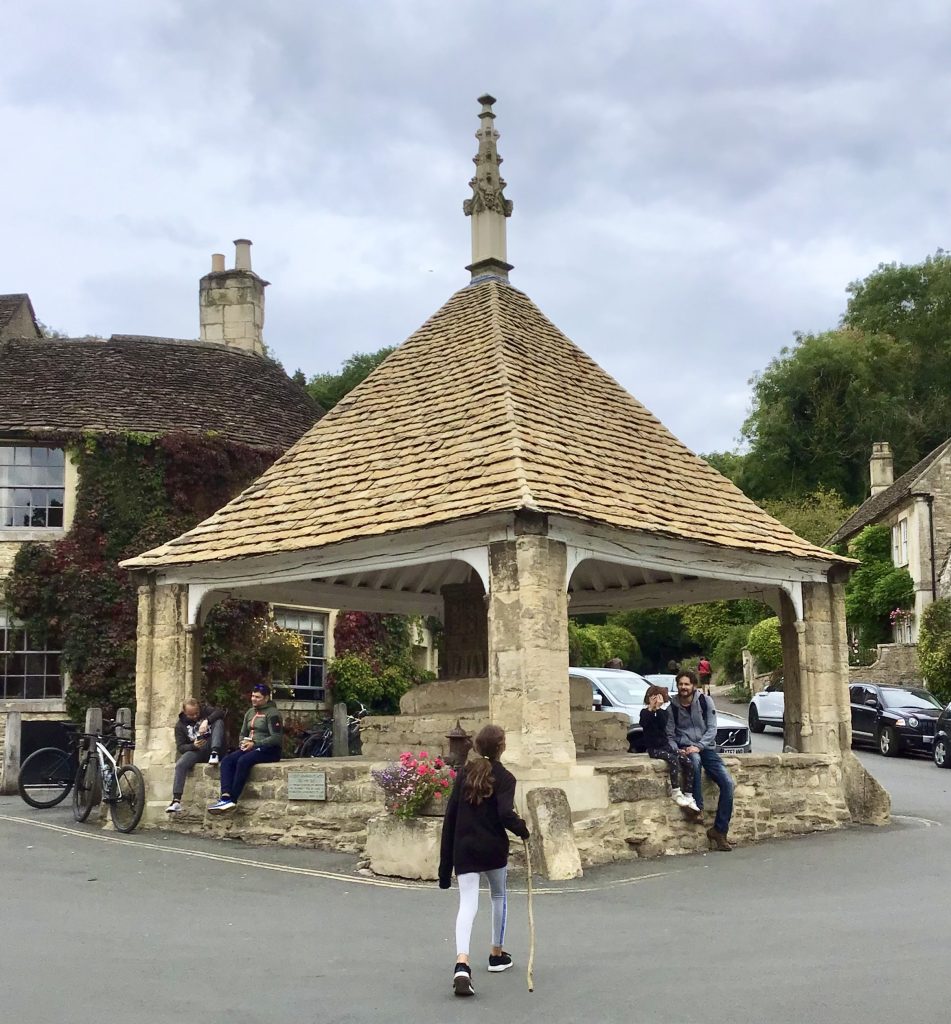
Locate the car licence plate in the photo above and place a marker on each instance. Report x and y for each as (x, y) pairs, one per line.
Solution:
(733, 750)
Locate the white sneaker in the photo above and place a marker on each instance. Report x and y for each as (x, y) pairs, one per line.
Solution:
(174, 807)
(691, 804)
(679, 799)
(213, 759)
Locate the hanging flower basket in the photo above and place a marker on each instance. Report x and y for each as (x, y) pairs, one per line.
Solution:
(416, 785)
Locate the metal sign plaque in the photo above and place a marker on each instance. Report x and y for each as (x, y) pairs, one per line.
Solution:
(306, 785)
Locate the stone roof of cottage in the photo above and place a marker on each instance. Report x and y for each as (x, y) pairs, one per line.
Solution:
(486, 408)
(152, 385)
(10, 304)
(877, 505)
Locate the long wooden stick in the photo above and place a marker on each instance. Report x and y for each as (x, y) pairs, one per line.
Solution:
(531, 921)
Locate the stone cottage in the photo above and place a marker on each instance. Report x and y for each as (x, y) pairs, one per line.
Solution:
(56, 391)
(491, 473)
(917, 509)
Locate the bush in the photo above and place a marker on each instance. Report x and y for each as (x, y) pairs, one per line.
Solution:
(595, 645)
(765, 644)
(934, 648)
(728, 653)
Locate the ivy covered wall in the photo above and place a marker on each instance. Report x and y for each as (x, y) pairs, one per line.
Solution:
(135, 491)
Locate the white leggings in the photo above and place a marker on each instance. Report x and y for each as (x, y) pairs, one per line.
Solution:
(469, 904)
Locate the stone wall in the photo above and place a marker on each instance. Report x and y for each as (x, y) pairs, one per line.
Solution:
(777, 795)
(385, 737)
(895, 663)
(32, 711)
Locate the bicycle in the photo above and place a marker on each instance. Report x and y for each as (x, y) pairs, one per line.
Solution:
(320, 741)
(100, 777)
(47, 775)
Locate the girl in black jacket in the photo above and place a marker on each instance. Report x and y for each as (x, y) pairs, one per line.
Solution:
(480, 809)
(654, 724)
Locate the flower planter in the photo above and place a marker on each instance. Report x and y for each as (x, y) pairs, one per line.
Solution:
(404, 848)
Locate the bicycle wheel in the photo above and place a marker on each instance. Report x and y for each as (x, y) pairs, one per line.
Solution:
(127, 808)
(87, 790)
(46, 777)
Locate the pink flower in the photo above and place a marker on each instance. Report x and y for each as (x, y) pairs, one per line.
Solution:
(423, 753)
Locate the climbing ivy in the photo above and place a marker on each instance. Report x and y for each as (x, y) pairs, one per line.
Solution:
(136, 491)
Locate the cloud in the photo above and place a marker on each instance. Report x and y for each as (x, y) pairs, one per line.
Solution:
(692, 182)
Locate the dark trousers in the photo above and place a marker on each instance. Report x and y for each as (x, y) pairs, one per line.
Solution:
(236, 767)
(677, 763)
(715, 768)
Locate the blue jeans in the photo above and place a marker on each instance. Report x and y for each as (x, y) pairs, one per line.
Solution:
(236, 767)
(715, 768)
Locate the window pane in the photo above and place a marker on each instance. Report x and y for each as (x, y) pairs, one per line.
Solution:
(54, 517)
(34, 688)
(14, 686)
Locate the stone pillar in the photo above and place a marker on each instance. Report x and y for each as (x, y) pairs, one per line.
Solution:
(166, 670)
(528, 648)
(11, 753)
(466, 638)
(816, 670)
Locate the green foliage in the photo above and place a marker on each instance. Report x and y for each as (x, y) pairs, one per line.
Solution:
(766, 645)
(884, 375)
(728, 653)
(815, 516)
(135, 491)
(595, 645)
(707, 624)
(876, 587)
(934, 648)
(328, 388)
(728, 464)
(374, 663)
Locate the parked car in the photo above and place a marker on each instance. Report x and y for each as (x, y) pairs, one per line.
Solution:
(665, 679)
(614, 689)
(942, 739)
(894, 718)
(767, 707)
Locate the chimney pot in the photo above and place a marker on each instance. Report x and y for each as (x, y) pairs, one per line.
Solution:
(242, 254)
(217, 262)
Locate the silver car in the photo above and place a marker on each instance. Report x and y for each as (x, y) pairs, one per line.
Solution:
(614, 689)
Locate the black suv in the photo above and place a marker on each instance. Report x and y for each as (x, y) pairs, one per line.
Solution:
(894, 718)
(942, 739)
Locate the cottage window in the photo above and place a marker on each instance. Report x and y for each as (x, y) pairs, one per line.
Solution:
(312, 626)
(32, 487)
(900, 542)
(28, 669)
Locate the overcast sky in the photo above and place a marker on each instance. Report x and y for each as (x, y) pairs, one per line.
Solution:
(693, 181)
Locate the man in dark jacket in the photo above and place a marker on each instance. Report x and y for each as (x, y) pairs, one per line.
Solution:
(692, 726)
(199, 738)
(260, 740)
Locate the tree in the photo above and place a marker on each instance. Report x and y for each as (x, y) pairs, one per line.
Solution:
(660, 633)
(328, 388)
(934, 648)
(876, 588)
(765, 644)
(595, 645)
(814, 516)
(884, 375)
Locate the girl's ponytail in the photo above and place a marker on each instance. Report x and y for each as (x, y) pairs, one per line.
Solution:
(488, 746)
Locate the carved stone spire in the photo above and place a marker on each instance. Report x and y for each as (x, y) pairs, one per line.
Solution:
(488, 206)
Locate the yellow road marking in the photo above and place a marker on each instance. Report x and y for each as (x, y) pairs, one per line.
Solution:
(336, 876)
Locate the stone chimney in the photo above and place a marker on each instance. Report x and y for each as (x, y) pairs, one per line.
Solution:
(488, 206)
(881, 469)
(231, 302)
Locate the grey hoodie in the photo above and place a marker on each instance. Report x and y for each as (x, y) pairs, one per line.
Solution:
(687, 726)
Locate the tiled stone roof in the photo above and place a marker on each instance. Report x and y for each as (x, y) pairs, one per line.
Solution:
(488, 407)
(149, 385)
(9, 307)
(869, 511)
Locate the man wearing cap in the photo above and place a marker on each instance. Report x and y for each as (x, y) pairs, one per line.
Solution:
(262, 733)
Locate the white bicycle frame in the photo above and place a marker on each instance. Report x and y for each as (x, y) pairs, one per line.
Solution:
(108, 769)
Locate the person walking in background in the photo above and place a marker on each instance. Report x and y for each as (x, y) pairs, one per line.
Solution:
(199, 739)
(474, 842)
(660, 746)
(262, 734)
(692, 726)
(704, 673)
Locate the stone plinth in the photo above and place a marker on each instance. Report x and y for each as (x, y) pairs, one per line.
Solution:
(404, 848)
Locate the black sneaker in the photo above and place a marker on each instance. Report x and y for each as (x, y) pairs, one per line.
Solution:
(462, 980)
(502, 962)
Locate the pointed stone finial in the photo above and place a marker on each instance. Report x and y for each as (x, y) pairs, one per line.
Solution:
(488, 206)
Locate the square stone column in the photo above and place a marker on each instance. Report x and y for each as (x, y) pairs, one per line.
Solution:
(166, 670)
(816, 670)
(528, 649)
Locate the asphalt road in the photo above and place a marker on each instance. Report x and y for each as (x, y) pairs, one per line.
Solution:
(154, 929)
